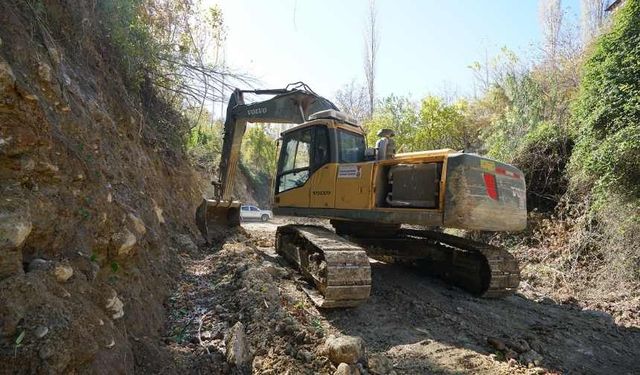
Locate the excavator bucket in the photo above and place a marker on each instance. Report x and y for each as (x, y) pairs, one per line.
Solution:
(213, 217)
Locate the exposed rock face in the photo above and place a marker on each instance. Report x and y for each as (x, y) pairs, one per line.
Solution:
(15, 226)
(91, 190)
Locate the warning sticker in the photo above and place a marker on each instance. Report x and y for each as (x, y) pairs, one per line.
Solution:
(487, 165)
(349, 171)
(521, 195)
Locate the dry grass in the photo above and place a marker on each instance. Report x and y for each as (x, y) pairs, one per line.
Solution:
(577, 257)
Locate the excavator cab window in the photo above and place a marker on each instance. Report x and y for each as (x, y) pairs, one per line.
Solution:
(295, 159)
(303, 152)
(321, 155)
(352, 147)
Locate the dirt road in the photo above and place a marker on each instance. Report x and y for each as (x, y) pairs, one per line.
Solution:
(421, 324)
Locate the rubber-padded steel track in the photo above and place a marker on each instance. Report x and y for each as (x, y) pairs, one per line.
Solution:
(482, 269)
(339, 269)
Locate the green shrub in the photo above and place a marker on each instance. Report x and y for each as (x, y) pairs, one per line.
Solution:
(543, 156)
(204, 143)
(607, 112)
(130, 38)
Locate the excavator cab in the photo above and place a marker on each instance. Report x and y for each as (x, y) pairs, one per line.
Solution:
(315, 157)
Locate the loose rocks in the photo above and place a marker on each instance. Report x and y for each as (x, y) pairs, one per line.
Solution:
(63, 272)
(41, 331)
(531, 357)
(126, 241)
(347, 349)
(496, 343)
(138, 224)
(39, 264)
(380, 365)
(345, 369)
(115, 306)
(15, 226)
(237, 346)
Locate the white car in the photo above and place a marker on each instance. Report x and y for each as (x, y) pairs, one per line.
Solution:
(248, 212)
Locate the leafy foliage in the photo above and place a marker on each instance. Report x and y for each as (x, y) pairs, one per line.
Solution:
(130, 36)
(607, 111)
(259, 151)
(443, 125)
(519, 102)
(431, 125)
(395, 113)
(204, 142)
(170, 44)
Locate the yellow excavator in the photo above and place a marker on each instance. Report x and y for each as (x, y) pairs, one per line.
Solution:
(379, 202)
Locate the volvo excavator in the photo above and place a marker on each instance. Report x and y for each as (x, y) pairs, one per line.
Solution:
(379, 202)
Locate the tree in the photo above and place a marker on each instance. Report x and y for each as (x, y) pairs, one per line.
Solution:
(259, 151)
(433, 124)
(352, 99)
(397, 113)
(551, 15)
(592, 18)
(607, 111)
(170, 45)
(442, 125)
(371, 45)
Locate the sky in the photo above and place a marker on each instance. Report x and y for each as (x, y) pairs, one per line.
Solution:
(426, 46)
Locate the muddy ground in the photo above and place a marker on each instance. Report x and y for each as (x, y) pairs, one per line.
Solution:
(419, 323)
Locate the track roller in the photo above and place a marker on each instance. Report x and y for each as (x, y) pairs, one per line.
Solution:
(338, 269)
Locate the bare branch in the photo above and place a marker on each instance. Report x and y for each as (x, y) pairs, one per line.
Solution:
(592, 19)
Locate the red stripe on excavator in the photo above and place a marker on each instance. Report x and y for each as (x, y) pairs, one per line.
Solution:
(490, 185)
(504, 172)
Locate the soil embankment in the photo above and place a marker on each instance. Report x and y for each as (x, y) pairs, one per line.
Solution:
(95, 201)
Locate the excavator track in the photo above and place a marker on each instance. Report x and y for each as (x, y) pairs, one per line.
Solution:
(484, 270)
(338, 268)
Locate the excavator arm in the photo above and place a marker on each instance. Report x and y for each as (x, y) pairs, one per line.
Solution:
(291, 105)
